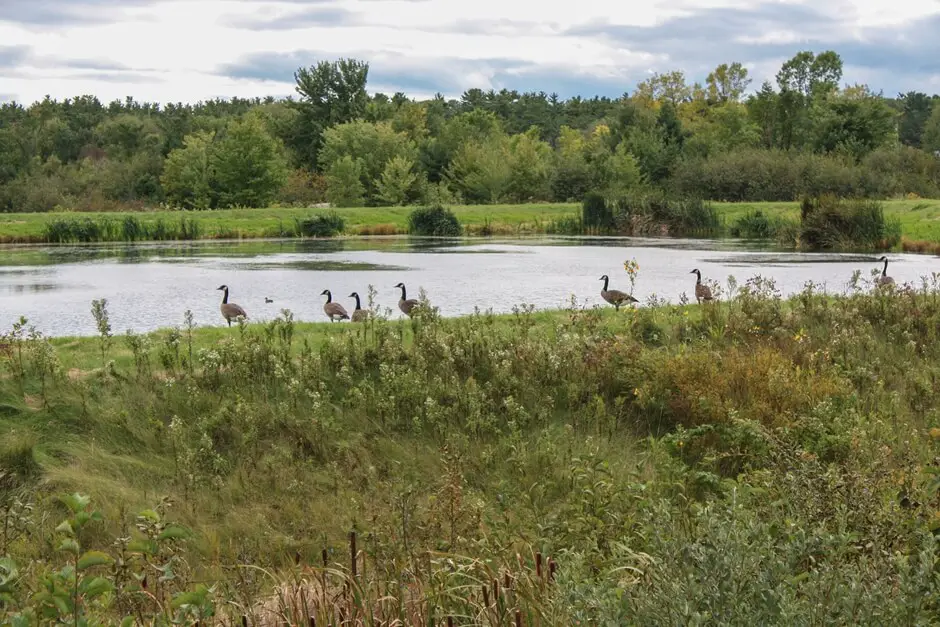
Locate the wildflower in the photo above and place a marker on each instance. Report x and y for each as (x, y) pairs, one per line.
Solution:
(935, 433)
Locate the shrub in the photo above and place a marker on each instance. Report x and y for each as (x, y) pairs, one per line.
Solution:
(596, 213)
(326, 225)
(435, 221)
(303, 189)
(757, 225)
(831, 223)
(659, 214)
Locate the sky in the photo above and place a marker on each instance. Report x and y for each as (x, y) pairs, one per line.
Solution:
(191, 50)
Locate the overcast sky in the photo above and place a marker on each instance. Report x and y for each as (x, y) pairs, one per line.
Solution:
(189, 50)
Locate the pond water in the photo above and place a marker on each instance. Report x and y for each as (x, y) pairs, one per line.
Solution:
(150, 286)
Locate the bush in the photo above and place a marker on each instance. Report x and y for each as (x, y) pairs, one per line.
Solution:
(831, 223)
(757, 225)
(435, 220)
(659, 214)
(303, 189)
(326, 225)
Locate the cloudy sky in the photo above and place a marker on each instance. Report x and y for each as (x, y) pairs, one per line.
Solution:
(188, 50)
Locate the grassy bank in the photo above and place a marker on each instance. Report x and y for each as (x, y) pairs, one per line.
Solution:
(281, 222)
(755, 461)
(919, 219)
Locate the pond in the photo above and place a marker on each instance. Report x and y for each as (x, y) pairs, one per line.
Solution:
(150, 286)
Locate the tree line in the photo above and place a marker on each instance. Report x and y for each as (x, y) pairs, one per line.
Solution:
(334, 142)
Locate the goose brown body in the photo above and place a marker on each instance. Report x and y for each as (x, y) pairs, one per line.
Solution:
(230, 311)
(884, 279)
(406, 304)
(333, 311)
(359, 314)
(702, 291)
(615, 297)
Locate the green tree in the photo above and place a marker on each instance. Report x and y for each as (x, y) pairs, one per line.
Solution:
(932, 129)
(915, 111)
(249, 165)
(530, 166)
(344, 186)
(187, 175)
(571, 176)
(727, 83)
(857, 123)
(622, 172)
(124, 135)
(399, 182)
(668, 87)
(331, 92)
(481, 172)
(374, 144)
(811, 75)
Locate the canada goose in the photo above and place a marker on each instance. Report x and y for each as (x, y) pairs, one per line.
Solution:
(230, 311)
(334, 311)
(884, 279)
(359, 314)
(406, 304)
(268, 300)
(615, 297)
(702, 292)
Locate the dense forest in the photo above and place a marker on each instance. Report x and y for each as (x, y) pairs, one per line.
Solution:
(334, 142)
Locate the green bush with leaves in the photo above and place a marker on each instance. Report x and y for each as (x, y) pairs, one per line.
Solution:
(326, 225)
(828, 222)
(436, 221)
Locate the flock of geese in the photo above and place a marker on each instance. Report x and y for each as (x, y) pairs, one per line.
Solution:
(336, 312)
(333, 310)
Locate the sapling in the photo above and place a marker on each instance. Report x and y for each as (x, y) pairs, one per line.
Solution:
(99, 309)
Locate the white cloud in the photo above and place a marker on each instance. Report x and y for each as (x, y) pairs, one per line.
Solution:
(172, 50)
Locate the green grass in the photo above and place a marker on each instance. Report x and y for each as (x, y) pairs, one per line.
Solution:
(753, 461)
(920, 219)
(274, 222)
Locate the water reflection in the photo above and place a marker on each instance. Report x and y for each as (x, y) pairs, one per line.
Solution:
(150, 285)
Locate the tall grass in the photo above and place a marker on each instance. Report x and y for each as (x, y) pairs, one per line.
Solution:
(828, 222)
(128, 229)
(752, 461)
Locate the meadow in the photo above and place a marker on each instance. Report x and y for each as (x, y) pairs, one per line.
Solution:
(753, 461)
(919, 220)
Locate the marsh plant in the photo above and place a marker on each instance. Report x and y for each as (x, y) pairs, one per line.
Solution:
(758, 460)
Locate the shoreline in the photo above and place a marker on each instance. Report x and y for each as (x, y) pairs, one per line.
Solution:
(920, 221)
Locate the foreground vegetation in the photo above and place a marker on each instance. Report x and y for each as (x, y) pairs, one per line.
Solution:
(754, 461)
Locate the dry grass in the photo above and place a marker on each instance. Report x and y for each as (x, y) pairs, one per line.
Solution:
(920, 246)
(379, 229)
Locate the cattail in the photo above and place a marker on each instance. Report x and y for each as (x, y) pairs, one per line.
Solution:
(538, 565)
(313, 621)
(507, 581)
(297, 558)
(244, 620)
(551, 569)
(518, 618)
(352, 551)
(486, 596)
(450, 621)
(325, 558)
